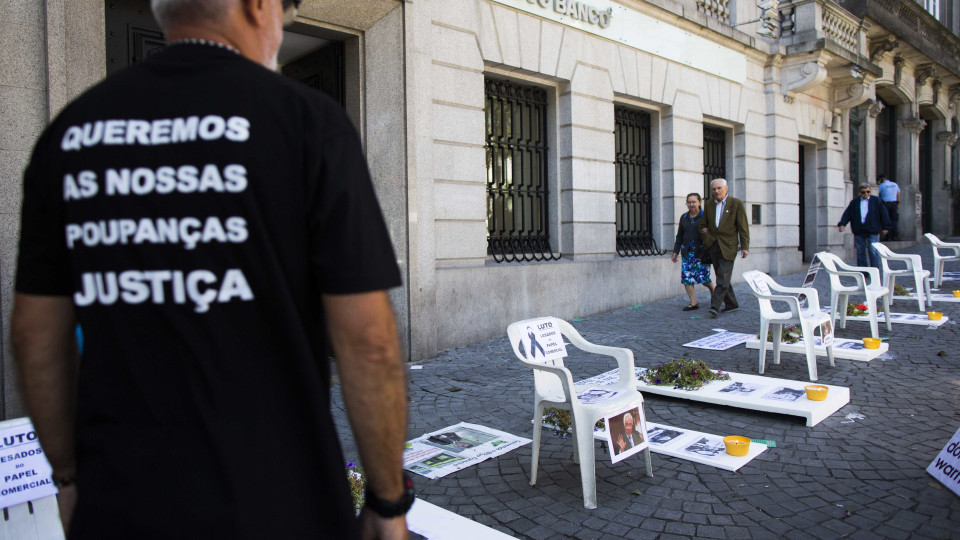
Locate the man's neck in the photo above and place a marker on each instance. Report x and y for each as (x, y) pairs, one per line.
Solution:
(721, 200)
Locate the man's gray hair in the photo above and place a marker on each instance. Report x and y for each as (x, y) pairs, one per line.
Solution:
(170, 13)
(721, 180)
(864, 185)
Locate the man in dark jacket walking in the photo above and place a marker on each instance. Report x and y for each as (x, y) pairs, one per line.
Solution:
(867, 218)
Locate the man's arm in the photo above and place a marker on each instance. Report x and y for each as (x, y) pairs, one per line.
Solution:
(364, 336)
(45, 348)
(743, 229)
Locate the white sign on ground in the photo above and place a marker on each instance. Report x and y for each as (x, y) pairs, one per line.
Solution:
(435, 523)
(769, 397)
(720, 341)
(847, 349)
(933, 297)
(457, 447)
(946, 466)
(24, 471)
(625, 432)
(695, 446)
(543, 341)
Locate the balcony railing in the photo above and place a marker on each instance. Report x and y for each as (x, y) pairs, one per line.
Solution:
(804, 21)
(717, 9)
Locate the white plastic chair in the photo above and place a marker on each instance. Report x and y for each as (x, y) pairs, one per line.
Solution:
(554, 387)
(764, 288)
(914, 268)
(840, 293)
(938, 259)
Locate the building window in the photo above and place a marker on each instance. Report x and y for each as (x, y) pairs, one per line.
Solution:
(634, 189)
(932, 7)
(714, 156)
(517, 194)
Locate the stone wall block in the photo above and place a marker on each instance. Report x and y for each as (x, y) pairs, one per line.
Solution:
(458, 124)
(463, 14)
(592, 113)
(460, 86)
(489, 42)
(589, 174)
(551, 40)
(456, 48)
(590, 206)
(529, 36)
(592, 81)
(457, 201)
(461, 240)
(459, 162)
(509, 34)
(569, 53)
(629, 70)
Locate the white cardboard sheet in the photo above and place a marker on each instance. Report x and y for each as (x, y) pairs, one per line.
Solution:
(719, 341)
(435, 523)
(456, 447)
(919, 319)
(695, 446)
(933, 297)
(848, 349)
(752, 393)
(24, 470)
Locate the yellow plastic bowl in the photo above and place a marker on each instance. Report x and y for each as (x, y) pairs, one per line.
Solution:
(871, 343)
(816, 392)
(934, 315)
(956, 293)
(737, 446)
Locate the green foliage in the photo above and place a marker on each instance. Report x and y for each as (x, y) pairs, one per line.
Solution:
(788, 334)
(898, 290)
(358, 482)
(561, 420)
(683, 374)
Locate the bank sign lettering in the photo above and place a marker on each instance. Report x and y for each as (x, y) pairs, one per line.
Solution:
(24, 471)
(578, 11)
(946, 466)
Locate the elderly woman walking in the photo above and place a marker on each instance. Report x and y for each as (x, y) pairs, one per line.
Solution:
(692, 269)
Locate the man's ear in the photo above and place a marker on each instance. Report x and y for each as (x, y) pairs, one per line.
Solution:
(256, 12)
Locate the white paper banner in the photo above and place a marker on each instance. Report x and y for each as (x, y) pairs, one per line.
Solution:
(720, 341)
(457, 447)
(24, 471)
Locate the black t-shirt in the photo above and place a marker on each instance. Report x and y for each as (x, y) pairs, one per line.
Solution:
(196, 206)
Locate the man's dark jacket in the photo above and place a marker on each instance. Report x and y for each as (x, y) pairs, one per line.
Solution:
(877, 217)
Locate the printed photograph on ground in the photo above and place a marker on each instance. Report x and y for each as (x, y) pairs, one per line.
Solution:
(785, 394)
(460, 439)
(741, 389)
(662, 436)
(706, 446)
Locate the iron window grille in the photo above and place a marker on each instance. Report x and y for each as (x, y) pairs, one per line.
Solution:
(714, 156)
(517, 194)
(634, 187)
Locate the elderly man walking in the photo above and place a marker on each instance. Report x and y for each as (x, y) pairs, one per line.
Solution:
(724, 230)
(868, 218)
(208, 221)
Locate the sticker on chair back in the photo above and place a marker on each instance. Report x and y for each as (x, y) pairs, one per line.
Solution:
(761, 285)
(543, 341)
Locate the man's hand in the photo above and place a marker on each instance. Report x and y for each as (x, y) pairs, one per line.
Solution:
(744, 253)
(374, 527)
(673, 258)
(703, 230)
(884, 232)
(842, 227)
(621, 443)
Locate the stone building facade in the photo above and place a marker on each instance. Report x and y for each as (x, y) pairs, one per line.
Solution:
(532, 156)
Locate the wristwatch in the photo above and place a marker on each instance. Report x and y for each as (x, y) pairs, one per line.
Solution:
(391, 509)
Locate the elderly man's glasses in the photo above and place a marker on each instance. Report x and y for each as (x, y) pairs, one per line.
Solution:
(290, 8)
(864, 191)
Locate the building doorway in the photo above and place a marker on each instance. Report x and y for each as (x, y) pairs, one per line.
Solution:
(926, 179)
(807, 196)
(133, 35)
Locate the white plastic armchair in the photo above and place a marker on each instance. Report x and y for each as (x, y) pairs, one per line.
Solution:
(939, 259)
(870, 290)
(554, 387)
(913, 268)
(768, 291)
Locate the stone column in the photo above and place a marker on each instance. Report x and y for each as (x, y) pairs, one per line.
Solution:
(909, 127)
(942, 203)
(681, 153)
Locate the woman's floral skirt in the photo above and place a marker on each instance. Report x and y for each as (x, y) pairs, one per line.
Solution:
(692, 271)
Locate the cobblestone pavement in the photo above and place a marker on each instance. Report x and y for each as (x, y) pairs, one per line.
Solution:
(860, 479)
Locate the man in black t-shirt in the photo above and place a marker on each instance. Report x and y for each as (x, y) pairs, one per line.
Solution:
(203, 219)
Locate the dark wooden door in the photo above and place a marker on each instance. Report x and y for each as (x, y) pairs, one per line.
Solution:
(132, 33)
(321, 69)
